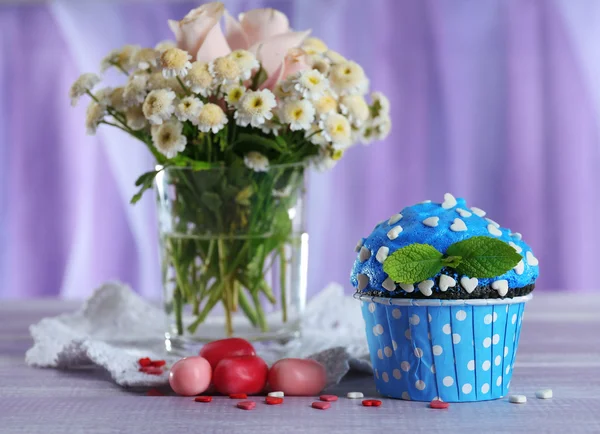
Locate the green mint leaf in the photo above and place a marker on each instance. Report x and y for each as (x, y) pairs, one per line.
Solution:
(413, 263)
(484, 257)
(451, 261)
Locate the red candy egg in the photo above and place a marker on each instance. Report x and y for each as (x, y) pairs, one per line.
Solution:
(216, 351)
(244, 374)
(297, 377)
(190, 376)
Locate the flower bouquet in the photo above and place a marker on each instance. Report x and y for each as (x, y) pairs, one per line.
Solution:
(234, 120)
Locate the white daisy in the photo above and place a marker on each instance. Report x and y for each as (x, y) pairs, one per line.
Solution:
(320, 63)
(282, 90)
(199, 79)
(175, 63)
(121, 58)
(158, 105)
(380, 106)
(382, 129)
(256, 161)
(93, 116)
(188, 109)
(300, 114)
(334, 57)
(324, 161)
(270, 127)
(348, 78)
(84, 84)
(255, 108)
(355, 108)
(211, 118)
(117, 99)
(314, 45)
(135, 118)
(146, 58)
(168, 138)
(164, 45)
(336, 129)
(246, 61)
(102, 96)
(157, 81)
(315, 136)
(233, 94)
(136, 89)
(326, 104)
(310, 84)
(225, 70)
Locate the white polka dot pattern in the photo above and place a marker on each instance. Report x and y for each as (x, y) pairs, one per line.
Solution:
(407, 340)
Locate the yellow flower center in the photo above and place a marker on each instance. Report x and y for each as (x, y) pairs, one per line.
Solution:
(174, 58)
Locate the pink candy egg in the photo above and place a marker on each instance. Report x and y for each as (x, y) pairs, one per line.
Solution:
(297, 377)
(190, 376)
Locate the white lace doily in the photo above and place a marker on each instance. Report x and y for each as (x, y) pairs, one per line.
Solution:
(112, 330)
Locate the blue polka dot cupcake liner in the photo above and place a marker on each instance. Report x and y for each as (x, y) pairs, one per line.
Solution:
(452, 350)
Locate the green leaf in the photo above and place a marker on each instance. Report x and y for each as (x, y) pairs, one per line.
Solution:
(413, 263)
(255, 142)
(451, 261)
(259, 78)
(484, 257)
(211, 200)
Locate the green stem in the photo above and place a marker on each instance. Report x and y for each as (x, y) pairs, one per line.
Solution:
(227, 302)
(178, 306)
(283, 283)
(262, 319)
(183, 86)
(247, 308)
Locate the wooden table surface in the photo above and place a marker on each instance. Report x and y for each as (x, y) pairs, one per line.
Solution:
(560, 349)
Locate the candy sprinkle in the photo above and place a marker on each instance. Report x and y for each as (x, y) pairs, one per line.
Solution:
(157, 363)
(437, 404)
(238, 396)
(371, 403)
(277, 394)
(355, 395)
(517, 399)
(320, 405)
(203, 398)
(246, 405)
(145, 361)
(328, 398)
(273, 400)
(544, 394)
(151, 370)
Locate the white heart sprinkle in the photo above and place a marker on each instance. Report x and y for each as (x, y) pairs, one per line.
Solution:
(544, 394)
(358, 245)
(394, 219)
(531, 260)
(363, 281)
(446, 282)
(425, 287)
(394, 232)
(463, 212)
(478, 211)
(432, 222)
(389, 285)
(364, 254)
(355, 395)
(407, 287)
(514, 246)
(458, 226)
(449, 201)
(501, 286)
(494, 230)
(277, 394)
(469, 284)
(520, 267)
(382, 254)
(517, 399)
(517, 236)
(490, 221)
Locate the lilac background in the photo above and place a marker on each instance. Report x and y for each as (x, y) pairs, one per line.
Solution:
(496, 101)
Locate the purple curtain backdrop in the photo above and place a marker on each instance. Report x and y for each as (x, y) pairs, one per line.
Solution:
(496, 101)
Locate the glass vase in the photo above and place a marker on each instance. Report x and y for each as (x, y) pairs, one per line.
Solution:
(234, 253)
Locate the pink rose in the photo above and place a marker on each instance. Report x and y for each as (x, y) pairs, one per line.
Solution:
(295, 60)
(199, 32)
(266, 33)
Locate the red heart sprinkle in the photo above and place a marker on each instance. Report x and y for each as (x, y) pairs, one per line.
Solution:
(436, 403)
(328, 398)
(371, 403)
(145, 361)
(273, 400)
(321, 405)
(246, 405)
(151, 370)
(155, 392)
(238, 396)
(158, 363)
(203, 398)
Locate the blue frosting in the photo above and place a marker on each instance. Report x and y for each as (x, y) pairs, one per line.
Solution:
(440, 237)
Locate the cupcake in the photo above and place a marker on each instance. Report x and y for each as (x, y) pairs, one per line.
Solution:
(442, 289)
